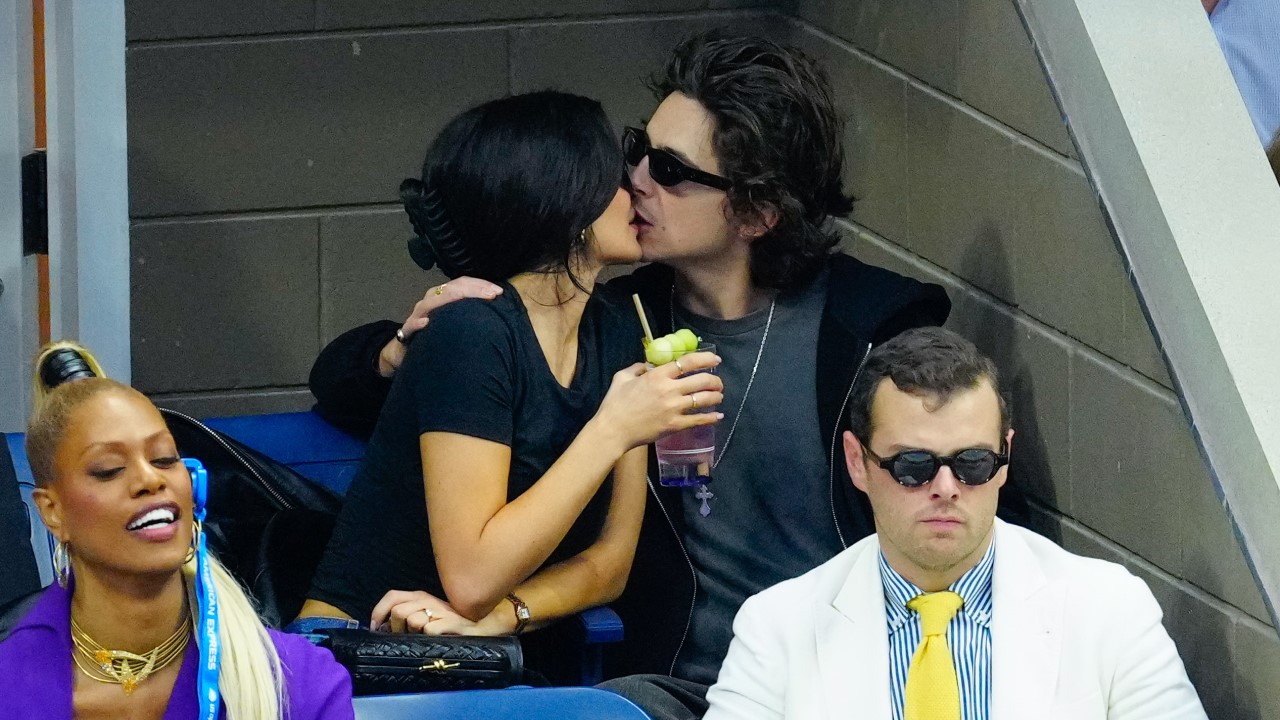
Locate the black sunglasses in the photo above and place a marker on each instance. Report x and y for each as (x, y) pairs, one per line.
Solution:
(665, 168)
(914, 468)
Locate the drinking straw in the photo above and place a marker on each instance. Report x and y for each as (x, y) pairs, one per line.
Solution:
(644, 321)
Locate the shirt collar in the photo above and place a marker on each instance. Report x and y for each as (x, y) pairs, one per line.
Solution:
(974, 587)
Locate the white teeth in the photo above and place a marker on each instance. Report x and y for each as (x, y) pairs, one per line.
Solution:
(157, 516)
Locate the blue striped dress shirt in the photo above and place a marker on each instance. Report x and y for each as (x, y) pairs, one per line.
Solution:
(968, 635)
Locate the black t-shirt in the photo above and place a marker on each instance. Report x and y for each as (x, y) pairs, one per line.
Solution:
(770, 517)
(476, 370)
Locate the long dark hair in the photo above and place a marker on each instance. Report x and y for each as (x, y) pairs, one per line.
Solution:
(512, 185)
(777, 137)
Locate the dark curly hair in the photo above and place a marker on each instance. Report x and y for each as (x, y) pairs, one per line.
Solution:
(777, 136)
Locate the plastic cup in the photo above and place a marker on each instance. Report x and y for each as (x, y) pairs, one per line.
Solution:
(685, 456)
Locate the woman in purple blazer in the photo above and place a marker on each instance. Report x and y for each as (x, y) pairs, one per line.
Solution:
(122, 633)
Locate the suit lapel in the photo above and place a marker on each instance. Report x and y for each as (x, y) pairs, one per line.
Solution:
(853, 645)
(1026, 631)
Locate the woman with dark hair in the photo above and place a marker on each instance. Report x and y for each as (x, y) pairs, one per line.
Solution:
(505, 482)
(121, 633)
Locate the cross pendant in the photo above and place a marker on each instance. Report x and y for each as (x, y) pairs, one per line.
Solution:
(704, 495)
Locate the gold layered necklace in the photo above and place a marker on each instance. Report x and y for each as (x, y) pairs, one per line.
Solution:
(126, 668)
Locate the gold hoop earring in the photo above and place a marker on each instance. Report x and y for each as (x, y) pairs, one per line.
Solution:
(62, 563)
(196, 530)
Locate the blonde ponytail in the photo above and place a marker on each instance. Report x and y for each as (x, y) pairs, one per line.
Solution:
(251, 679)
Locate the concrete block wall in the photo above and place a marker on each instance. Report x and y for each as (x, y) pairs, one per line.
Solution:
(267, 140)
(966, 177)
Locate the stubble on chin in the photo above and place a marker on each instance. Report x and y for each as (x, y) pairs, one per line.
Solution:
(947, 551)
(937, 552)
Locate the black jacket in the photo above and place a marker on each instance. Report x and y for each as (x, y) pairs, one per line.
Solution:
(865, 305)
(349, 391)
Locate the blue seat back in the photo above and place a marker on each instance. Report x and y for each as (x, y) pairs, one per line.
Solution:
(301, 440)
(575, 703)
(40, 547)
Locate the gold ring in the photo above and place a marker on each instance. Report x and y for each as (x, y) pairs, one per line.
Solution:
(440, 289)
(693, 401)
(679, 367)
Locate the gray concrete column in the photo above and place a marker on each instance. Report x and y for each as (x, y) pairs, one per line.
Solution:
(88, 179)
(18, 321)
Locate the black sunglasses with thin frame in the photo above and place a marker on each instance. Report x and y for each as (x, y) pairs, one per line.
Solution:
(914, 468)
(664, 167)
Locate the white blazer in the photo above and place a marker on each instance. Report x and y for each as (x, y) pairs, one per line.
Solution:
(1072, 638)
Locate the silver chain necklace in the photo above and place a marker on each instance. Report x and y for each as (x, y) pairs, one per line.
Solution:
(759, 354)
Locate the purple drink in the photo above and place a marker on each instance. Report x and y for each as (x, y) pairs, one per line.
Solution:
(684, 457)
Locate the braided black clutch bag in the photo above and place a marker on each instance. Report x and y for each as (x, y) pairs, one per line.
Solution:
(388, 663)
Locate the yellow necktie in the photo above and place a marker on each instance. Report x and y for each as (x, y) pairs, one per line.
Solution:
(933, 692)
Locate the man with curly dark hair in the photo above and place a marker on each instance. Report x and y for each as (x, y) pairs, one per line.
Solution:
(736, 179)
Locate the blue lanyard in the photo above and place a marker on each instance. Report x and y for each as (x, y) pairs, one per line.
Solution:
(210, 648)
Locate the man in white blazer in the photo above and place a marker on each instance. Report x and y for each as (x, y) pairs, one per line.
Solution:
(1042, 633)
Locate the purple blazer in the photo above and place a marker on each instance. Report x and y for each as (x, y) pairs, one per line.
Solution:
(37, 672)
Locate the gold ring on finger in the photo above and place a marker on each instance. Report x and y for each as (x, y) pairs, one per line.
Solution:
(693, 401)
(440, 288)
(679, 367)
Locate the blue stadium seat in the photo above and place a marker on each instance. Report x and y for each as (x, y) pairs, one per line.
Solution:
(510, 704)
(41, 540)
(301, 440)
(25, 545)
